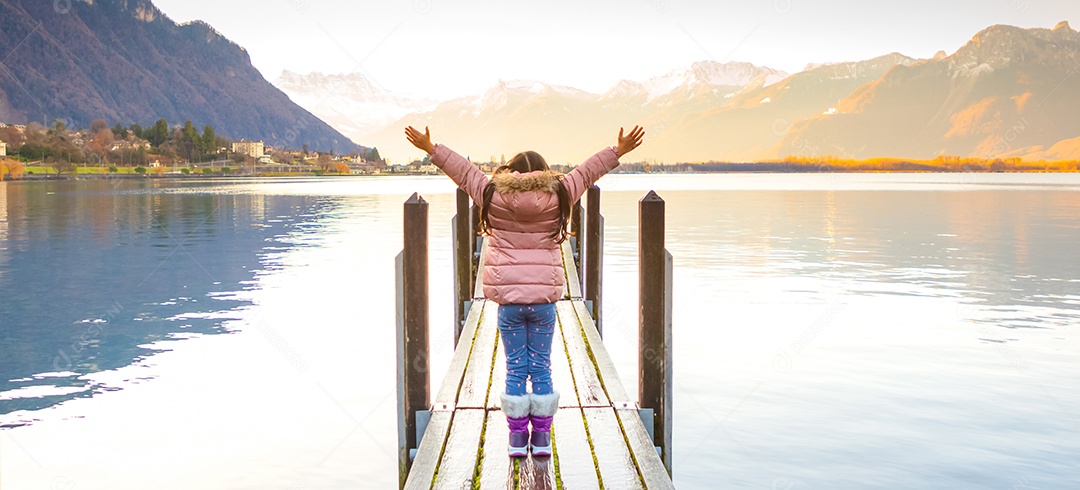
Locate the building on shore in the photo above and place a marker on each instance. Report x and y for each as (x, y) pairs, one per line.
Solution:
(3, 149)
(253, 149)
(362, 168)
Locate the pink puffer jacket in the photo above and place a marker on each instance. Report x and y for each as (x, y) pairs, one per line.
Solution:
(523, 264)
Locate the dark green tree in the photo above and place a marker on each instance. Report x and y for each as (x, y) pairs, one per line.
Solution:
(373, 155)
(159, 133)
(138, 131)
(34, 151)
(209, 140)
(190, 145)
(119, 132)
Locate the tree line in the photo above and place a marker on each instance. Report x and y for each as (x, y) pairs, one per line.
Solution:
(117, 145)
(137, 146)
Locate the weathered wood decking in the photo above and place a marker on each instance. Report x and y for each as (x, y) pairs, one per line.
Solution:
(599, 438)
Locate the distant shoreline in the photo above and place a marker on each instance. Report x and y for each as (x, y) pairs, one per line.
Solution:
(136, 177)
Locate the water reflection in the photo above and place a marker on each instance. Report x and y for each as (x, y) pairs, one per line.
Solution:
(100, 275)
(831, 331)
(299, 273)
(832, 338)
(3, 227)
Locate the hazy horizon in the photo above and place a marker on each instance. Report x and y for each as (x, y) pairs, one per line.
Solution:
(438, 49)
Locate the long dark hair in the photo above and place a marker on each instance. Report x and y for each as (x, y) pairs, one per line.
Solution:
(525, 162)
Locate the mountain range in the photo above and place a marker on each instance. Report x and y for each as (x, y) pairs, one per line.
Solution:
(1009, 92)
(1006, 93)
(126, 62)
(350, 103)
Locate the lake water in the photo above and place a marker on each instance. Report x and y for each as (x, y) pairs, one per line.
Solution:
(831, 331)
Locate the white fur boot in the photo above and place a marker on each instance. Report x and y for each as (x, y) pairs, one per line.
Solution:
(542, 410)
(516, 406)
(516, 409)
(543, 405)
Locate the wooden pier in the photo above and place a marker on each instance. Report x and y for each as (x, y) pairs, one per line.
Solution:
(602, 437)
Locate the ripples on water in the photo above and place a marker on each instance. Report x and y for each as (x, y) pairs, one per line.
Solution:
(832, 331)
(887, 333)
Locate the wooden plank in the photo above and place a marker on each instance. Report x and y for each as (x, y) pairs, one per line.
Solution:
(478, 291)
(561, 378)
(573, 282)
(427, 457)
(477, 379)
(608, 375)
(590, 391)
(448, 391)
(617, 469)
(573, 455)
(537, 473)
(496, 469)
(648, 461)
(498, 377)
(651, 466)
(458, 464)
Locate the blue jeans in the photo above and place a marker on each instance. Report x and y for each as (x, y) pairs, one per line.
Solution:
(526, 332)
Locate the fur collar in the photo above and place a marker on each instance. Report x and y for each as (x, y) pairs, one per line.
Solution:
(512, 182)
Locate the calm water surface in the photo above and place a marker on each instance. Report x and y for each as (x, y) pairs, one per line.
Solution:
(831, 331)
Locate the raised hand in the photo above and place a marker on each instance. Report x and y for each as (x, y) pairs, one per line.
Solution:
(420, 140)
(629, 142)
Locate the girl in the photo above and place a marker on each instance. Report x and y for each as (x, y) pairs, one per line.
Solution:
(524, 208)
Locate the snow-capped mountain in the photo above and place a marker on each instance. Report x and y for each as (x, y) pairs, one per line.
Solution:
(506, 91)
(626, 89)
(984, 100)
(510, 108)
(701, 78)
(567, 124)
(1007, 92)
(349, 102)
(749, 122)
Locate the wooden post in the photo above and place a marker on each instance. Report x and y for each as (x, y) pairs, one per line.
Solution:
(594, 255)
(463, 245)
(576, 239)
(475, 238)
(654, 322)
(412, 329)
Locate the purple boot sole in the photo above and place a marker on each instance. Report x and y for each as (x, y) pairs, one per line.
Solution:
(541, 436)
(519, 444)
(541, 443)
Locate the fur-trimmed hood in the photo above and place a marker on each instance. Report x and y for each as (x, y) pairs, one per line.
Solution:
(512, 182)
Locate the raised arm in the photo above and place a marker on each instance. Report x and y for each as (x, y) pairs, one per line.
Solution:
(463, 173)
(586, 174)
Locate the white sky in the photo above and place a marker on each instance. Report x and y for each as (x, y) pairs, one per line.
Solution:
(446, 48)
